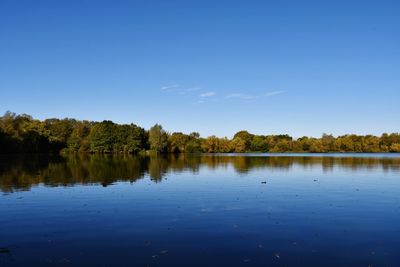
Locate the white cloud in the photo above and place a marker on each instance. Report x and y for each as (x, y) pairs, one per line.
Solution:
(189, 90)
(207, 94)
(273, 93)
(241, 96)
(168, 87)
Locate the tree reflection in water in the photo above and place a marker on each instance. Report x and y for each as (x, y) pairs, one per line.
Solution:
(24, 171)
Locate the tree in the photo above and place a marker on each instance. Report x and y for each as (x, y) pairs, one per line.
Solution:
(59, 130)
(371, 144)
(158, 138)
(224, 145)
(177, 142)
(136, 140)
(211, 144)
(194, 143)
(246, 137)
(328, 143)
(315, 145)
(282, 145)
(259, 144)
(193, 146)
(76, 141)
(101, 137)
(238, 145)
(22, 134)
(395, 147)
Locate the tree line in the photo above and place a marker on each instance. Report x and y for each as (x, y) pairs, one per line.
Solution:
(24, 134)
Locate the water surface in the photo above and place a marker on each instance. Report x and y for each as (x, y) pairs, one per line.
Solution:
(200, 210)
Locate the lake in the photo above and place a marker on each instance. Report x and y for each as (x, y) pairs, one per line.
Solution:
(200, 210)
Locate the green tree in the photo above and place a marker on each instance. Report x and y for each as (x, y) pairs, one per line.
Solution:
(371, 144)
(101, 137)
(224, 145)
(158, 139)
(246, 137)
(194, 143)
(136, 140)
(76, 141)
(22, 133)
(259, 144)
(211, 144)
(177, 142)
(238, 145)
(328, 143)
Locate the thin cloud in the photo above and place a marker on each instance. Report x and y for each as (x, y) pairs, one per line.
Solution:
(169, 87)
(241, 96)
(207, 94)
(189, 90)
(206, 100)
(274, 93)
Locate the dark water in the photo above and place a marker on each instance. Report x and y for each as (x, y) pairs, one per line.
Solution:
(255, 210)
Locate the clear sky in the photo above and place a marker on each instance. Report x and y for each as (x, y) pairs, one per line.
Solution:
(216, 67)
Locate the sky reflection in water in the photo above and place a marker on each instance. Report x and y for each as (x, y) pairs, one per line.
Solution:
(214, 210)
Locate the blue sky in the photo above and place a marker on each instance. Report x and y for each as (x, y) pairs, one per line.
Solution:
(216, 67)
